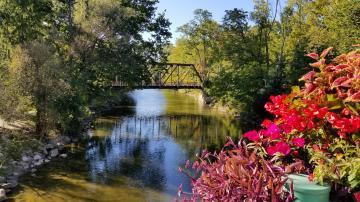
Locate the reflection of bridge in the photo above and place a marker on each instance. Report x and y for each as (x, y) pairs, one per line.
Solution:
(168, 76)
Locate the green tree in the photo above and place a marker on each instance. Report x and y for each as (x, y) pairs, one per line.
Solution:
(201, 36)
(68, 53)
(35, 72)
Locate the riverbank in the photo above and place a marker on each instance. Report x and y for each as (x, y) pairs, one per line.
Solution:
(28, 155)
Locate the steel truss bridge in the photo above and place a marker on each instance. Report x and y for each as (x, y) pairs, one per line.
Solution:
(168, 76)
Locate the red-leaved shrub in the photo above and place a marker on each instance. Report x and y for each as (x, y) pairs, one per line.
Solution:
(236, 174)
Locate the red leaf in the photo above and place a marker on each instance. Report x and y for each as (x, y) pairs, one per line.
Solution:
(318, 64)
(341, 66)
(309, 87)
(314, 56)
(355, 97)
(308, 76)
(339, 81)
(325, 52)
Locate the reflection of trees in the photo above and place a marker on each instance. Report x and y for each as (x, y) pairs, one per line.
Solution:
(122, 150)
(135, 147)
(195, 132)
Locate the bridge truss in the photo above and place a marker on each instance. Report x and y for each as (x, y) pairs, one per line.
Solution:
(168, 76)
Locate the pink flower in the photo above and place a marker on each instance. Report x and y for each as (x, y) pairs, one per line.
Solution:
(280, 147)
(252, 135)
(273, 131)
(271, 150)
(299, 142)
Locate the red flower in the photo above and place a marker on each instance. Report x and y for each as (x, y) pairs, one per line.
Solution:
(342, 135)
(280, 147)
(286, 128)
(346, 111)
(311, 125)
(357, 196)
(266, 123)
(299, 142)
(332, 117)
(355, 122)
(320, 113)
(252, 135)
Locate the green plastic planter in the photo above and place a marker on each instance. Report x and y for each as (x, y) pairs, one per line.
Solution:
(306, 191)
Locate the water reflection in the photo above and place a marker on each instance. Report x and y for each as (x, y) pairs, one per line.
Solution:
(134, 156)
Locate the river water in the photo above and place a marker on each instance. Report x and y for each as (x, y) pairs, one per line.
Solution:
(133, 154)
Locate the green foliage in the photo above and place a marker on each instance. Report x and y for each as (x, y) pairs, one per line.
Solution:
(245, 64)
(59, 56)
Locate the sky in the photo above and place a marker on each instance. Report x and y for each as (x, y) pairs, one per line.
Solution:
(180, 12)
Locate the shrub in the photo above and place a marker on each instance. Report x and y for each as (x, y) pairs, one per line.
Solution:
(235, 174)
(317, 123)
(321, 120)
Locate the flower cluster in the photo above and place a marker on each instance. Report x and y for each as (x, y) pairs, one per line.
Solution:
(321, 119)
(327, 102)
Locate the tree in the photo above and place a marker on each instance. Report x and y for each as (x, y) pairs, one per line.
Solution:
(35, 71)
(201, 35)
(62, 55)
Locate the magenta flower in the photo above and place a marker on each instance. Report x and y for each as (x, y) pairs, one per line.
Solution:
(252, 135)
(286, 128)
(299, 142)
(273, 131)
(280, 147)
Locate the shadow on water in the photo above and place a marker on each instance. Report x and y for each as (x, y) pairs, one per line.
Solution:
(133, 153)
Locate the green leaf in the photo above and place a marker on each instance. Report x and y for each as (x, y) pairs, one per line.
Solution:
(331, 97)
(336, 107)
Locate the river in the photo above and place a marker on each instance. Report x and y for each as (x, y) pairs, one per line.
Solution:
(133, 153)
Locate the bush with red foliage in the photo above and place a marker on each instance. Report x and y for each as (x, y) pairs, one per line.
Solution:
(236, 174)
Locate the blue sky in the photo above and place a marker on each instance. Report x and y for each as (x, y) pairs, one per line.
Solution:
(180, 12)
